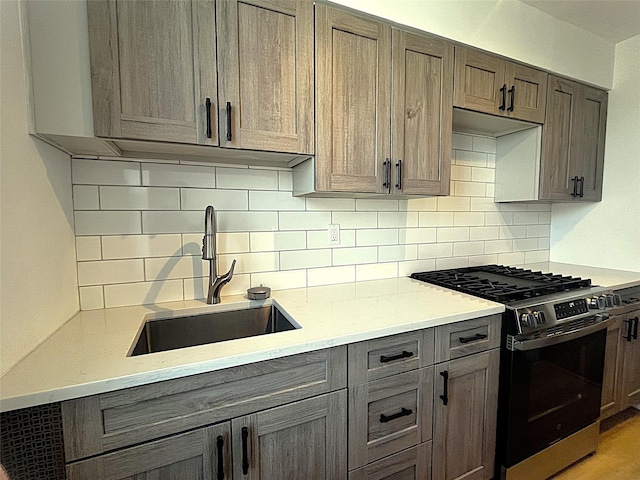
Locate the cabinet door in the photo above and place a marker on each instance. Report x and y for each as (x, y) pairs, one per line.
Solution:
(305, 439)
(631, 362)
(465, 428)
(610, 404)
(479, 82)
(421, 114)
(559, 139)
(526, 92)
(353, 88)
(265, 65)
(190, 456)
(411, 464)
(153, 65)
(587, 160)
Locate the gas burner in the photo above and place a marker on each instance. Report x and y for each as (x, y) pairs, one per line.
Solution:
(500, 283)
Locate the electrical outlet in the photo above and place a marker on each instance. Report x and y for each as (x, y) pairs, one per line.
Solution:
(334, 234)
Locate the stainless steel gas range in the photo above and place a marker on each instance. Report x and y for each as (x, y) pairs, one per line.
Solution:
(552, 361)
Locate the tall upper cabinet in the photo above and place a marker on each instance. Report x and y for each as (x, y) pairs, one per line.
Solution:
(155, 75)
(383, 108)
(573, 137)
(490, 84)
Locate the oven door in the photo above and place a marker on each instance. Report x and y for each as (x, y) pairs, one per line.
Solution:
(553, 390)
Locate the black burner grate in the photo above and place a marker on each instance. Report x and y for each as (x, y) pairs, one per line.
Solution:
(500, 283)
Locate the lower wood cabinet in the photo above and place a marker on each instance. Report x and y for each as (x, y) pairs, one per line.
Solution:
(611, 380)
(630, 353)
(465, 415)
(302, 440)
(411, 464)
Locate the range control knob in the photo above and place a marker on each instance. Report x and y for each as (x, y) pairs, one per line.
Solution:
(527, 320)
(610, 300)
(597, 302)
(539, 317)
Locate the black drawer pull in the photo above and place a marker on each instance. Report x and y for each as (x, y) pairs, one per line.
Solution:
(635, 328)
(207, 104)
(581, 194)
(391, 358)
(477, 336)
(245, 453)
(399, 167)
(220, 444)
(229, 121)
(445, 395)
(503, 90)
(512, 91)
(575, 187)
(402, 413)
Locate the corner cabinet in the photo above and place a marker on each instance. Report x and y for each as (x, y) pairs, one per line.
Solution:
(383, 108)
(155, 74)
(573, 137)
(486, 83)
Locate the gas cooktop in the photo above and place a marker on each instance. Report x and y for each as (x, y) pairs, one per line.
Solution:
(500, 283)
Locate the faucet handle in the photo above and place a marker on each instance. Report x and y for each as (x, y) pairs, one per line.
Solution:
(229, 275)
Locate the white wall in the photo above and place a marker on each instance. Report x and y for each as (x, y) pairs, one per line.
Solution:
(506, 27)
(38, 281)
(607, 234)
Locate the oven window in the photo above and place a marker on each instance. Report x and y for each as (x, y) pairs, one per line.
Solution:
(555, 391)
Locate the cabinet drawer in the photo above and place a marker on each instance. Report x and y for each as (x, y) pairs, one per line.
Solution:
(108, 421)
(389, 415)
(411, 464)
(383, 357)
(465, 338)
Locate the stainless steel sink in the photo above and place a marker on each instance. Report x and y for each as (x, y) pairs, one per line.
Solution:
(158, 335)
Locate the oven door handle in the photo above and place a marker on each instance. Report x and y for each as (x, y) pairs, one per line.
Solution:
(524, 345)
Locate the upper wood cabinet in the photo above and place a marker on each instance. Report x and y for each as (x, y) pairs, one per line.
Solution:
(383, 107)
(573, 142)
(153, 65)
(489, 84)
(155, 75)
(265, 74)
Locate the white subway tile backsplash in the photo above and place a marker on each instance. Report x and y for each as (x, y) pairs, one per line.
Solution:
(88, 248)
(86, 197)
(355, 219)
(247, 179)
(110, 271)
(330, 275)
(139, 198)
(173, 222)
(104, 172)
(142, 293)
(397, 219)
(277, 241)
(200, 199)
(91, 298)
(174, 175)
(354, 256)
(141, 246)
(264, 200)
(297, 259)
(139, 227)
(107, 222)
(379, 236)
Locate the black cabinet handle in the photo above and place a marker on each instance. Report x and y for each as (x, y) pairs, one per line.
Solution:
(229, 121)
(512, 91)
(630, 325)
(207, 104)
(402, 413)
(473, 338)
(503, 90)
(634, 335)
(399, 167)
(245, 453)
(575, 187)
(391, 358)
(386, 181)
(581, 194)
(445, 395)
(220, 445)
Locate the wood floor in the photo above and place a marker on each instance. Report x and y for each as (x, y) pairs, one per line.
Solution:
(618, 454)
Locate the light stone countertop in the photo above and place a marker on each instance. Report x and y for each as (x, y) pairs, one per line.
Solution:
(88, 354)
(603, 277)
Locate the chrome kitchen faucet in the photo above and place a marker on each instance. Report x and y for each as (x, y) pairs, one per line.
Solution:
(209, 253)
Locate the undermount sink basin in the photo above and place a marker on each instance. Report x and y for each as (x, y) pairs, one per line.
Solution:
(158, 335)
